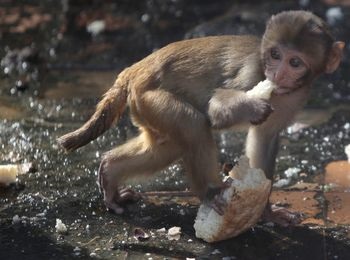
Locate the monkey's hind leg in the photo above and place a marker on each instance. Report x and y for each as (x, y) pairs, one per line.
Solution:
(190, 129)
(140, 156)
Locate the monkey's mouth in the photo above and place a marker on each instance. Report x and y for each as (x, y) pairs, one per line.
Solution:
(280, 90)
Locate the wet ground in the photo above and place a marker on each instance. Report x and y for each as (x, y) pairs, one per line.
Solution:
(52, 73)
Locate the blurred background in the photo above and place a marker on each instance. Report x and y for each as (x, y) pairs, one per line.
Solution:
(40, 39)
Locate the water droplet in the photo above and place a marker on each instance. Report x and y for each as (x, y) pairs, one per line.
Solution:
(145, 18)
(25, 65)
(52, 52)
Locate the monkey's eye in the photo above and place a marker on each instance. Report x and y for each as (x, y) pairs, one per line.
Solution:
(275, 54)
(295, 62)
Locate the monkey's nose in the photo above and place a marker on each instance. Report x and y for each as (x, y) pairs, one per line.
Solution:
(278, 77)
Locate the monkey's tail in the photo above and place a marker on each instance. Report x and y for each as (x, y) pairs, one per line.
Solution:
(108, 111)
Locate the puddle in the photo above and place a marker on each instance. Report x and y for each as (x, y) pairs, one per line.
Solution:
(300, 201)
(338, 176)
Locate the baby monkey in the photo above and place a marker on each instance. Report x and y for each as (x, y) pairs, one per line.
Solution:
(179, 94)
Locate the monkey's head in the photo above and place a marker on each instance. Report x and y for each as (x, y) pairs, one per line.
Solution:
(296, 47)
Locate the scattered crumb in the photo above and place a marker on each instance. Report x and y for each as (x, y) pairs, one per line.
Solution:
(281, 183)
(96, 27)
(161, 230)
(334, 14)
(16, 220)
(216, 252)
(292, 172)
(60, 226)
(347, 152)
(42, 214)
(174, 233)
(8, 174)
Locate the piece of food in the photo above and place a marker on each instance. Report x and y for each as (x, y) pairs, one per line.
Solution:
(61, 228)
(246, 199)
(262, 90)
(347, 152)
(174, 233)
(8, 174)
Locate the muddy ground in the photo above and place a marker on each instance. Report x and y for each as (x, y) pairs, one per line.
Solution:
(53, 71)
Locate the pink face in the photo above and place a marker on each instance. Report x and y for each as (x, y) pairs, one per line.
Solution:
(285, 67)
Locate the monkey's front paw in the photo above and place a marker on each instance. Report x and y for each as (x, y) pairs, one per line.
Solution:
(261, 110)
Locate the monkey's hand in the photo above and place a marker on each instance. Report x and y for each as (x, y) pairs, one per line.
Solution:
(226, 111)
(260, 110)
(281, 216)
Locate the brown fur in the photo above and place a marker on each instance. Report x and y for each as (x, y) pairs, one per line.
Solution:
(109, 109)
(179, 93)
(302, 31)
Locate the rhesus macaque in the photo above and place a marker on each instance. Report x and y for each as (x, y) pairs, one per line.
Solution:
(180, 93)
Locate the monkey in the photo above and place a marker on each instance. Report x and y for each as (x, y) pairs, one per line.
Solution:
(296, 48)
(180, 94)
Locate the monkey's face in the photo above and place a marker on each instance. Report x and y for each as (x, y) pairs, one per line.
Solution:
(285, 67)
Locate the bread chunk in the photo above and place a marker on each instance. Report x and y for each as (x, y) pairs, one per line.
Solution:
(246, 199)
(262, 90)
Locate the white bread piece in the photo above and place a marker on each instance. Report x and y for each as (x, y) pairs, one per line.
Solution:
(262, 90)
(246, 200)
(60, 226)
(347, 152)
(8, 174)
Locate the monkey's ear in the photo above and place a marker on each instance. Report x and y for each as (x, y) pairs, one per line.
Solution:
(335, 57)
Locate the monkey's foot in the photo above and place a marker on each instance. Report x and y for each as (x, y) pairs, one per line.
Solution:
(116, 208)
(127, 195)
(122, 197)
(218, 203)
(281, 216)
